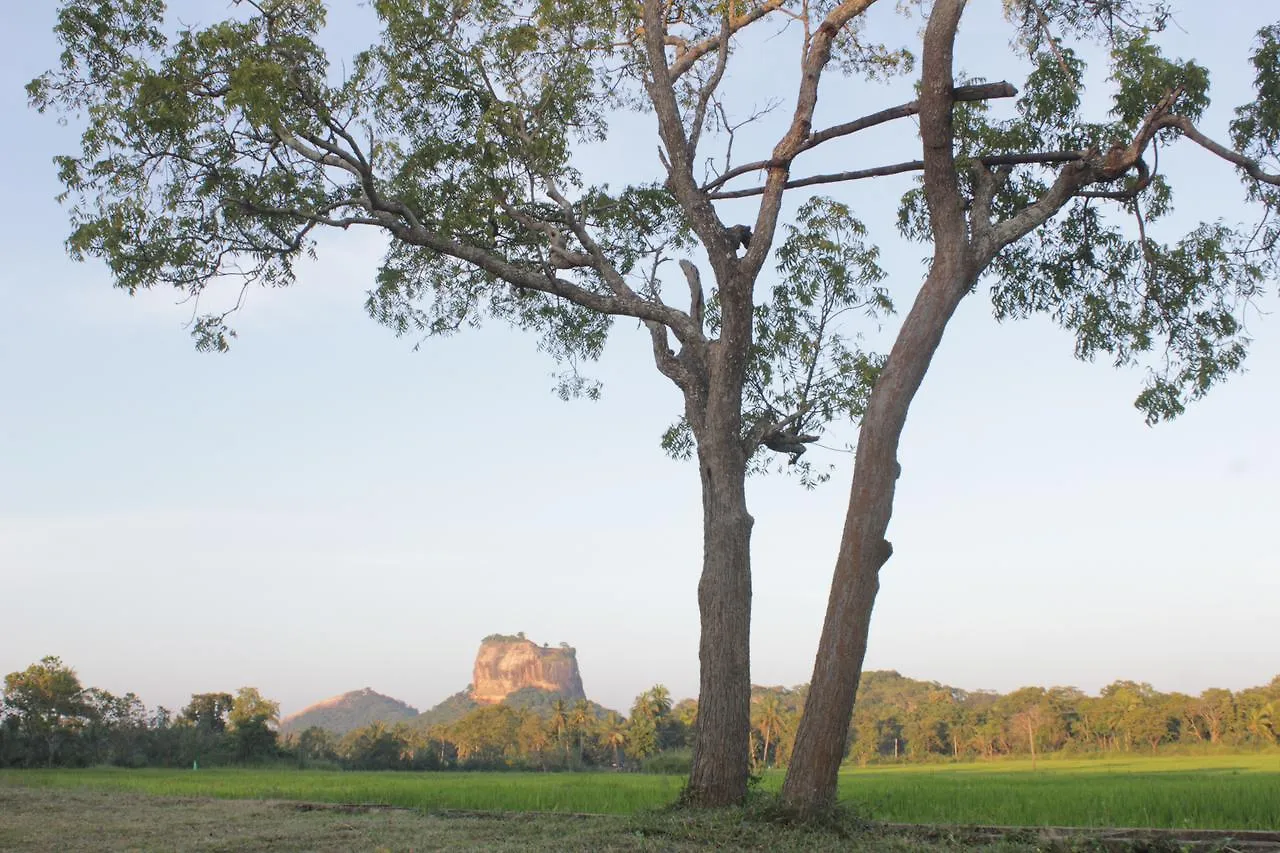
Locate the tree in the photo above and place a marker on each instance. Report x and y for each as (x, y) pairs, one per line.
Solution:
(253, 719)
(221, 151)
(579, 718)
(208, 711)
(315, 744)
(613, 733)
(1037, 204)
(560, 723)
(48, 701)
(769, 718)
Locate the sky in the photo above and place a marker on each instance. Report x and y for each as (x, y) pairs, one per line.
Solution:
(324, 508)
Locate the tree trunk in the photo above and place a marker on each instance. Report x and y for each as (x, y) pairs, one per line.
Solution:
(1031, 740)
(810, 785)
(722, 742)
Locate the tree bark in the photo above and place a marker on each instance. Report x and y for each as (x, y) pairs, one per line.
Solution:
(721, 745)
(810, 785)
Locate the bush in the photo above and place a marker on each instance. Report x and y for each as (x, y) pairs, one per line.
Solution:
(673, 762)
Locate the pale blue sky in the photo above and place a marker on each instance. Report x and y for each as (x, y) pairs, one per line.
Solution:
(323, 509)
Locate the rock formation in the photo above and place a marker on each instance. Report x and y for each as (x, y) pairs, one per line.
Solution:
(507, 663)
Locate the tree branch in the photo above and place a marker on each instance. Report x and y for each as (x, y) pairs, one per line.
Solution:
(1043, 157)
(685, 59)
(1251, 167)
(815, 61)
(981, 92)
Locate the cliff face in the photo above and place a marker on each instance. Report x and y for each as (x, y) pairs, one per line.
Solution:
(506, 664)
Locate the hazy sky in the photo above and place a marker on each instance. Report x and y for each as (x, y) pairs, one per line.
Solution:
(324, 509)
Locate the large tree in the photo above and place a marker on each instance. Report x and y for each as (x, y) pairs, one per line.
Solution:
(1058, 210)
(48, 701)
(221, 151)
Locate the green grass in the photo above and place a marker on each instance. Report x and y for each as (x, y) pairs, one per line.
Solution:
(594, 793)
(1223, 792)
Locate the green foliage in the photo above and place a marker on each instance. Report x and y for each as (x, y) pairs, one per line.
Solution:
(1098, 269)
(804, 359)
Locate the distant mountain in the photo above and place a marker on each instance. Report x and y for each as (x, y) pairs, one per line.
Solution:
(350, 711)
(508, 668)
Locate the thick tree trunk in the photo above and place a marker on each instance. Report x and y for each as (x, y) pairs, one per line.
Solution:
(810, 785)
(811, 780)
(721, 747)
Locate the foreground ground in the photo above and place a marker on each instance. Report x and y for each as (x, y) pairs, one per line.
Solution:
(72, 821)
(1223, 792)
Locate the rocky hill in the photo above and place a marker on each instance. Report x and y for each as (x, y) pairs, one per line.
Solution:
(353, 710)
(508, 667)
(506, 664)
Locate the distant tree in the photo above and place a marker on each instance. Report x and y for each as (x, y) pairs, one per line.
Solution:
(686, 711)
(253, 719)
(768, 720)
(613, 733)
(315, 744)
(372, 747)
(48, 702)
(533, 739)
(1259, 717)
(116, 728)
(580, 718)
(560, 723)
(208, 711)
(659, 700)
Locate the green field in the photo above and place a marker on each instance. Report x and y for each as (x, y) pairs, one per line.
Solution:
(1225, 792)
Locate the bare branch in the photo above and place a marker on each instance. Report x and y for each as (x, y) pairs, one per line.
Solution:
(696, 296)
(815, 61)
(981, 92)
(668, 364)
(708, 89)
(685, 59)
(1043, 157)
(1251, 167)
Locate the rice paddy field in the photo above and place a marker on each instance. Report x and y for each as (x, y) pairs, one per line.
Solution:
(1224, 792)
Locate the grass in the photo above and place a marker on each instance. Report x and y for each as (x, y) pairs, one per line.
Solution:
(591, 793)
(1222, 792)
(47, 820)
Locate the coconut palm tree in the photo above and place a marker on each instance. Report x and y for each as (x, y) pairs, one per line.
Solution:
(579, 717)
(769, 718)
(613, 732)
(560, 722)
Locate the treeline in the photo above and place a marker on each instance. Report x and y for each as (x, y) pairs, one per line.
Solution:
(902, 719)
(555, 734)
(48, 718)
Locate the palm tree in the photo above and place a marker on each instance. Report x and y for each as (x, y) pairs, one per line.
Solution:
(1258, 722)
(659, 700)
(613, 733)
(578, 719)
(769, 718)
(560, 721)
